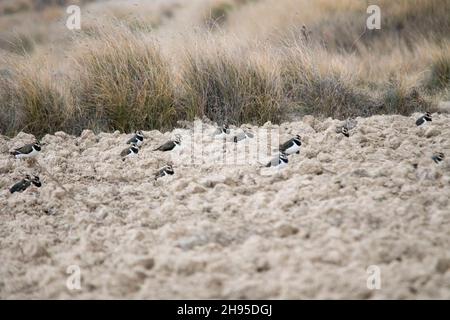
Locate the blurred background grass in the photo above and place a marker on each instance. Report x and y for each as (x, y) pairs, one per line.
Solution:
(147, 64)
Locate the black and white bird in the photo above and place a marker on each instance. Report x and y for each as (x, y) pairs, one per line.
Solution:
(137, 139)
(344, 131)
(129, 152)
(278, 162)
(291, 146)
(26, 182)
(27, 151)
(170, 145)
(438, 157)
(222, 131)
(423, 120)
(164, 171)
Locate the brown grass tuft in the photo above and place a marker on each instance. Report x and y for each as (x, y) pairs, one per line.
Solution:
(123, 83)
(226, 88)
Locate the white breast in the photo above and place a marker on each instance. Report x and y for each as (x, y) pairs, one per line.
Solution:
(131, 154)
(292, 149)
(29, 155)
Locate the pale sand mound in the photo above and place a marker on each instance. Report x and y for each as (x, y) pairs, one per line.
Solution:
(229, 231)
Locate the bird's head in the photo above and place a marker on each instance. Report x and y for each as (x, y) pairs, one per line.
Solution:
(134, 147)
(36, 181)
(344, 131)
(37, 145)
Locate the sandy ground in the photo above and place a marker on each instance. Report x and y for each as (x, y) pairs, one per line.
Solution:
(220, 230)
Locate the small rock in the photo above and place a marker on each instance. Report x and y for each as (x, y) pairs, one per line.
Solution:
(285, 230)
(189, 243)
(432, 132)
(361, 173)
(394, 143)
(198, 189)
(324, 157)
(58, 193)
(36, 250)
(61, 134)
(212, 181)
(311, 167)
(333, 257)
(262, 266)
(101, 214)
(148, 263)
(443, 265)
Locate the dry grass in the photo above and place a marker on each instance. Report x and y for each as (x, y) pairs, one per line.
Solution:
(439, 75)
(226, 88)
(32, 101)
(147, 69)
(124, 83)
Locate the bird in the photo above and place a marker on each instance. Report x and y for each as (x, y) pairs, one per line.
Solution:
(423, 119)
(291, 146)
(26, 182)
(27, 151)
(222, 131)
(137, 139)
(278, 162)
(129, 152)
(164, 171)
(36, 181)
(170, 145)
(438, 157)
(344, 131)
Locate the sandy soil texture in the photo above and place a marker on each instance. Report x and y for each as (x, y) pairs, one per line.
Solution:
(215, 230)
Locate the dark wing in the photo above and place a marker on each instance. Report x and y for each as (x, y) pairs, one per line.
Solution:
(286, 145)
(132, 140)
(125, 152)
(169, 145)
(23, 150)
(420, 121)
(163, 172)
(20, 186)
(159, 174)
